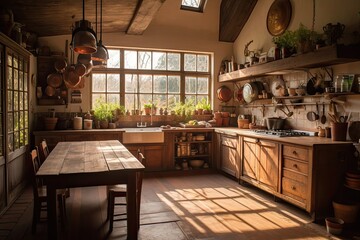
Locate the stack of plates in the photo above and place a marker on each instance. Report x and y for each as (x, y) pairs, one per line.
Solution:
(352, 180)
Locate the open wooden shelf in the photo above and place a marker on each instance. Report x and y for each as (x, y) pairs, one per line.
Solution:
(325, 56)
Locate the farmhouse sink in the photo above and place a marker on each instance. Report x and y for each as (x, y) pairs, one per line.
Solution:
(143, 135)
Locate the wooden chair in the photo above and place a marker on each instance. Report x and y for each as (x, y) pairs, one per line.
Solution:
(44, 153)
(44, 150)
(119, 191)
(39, 192)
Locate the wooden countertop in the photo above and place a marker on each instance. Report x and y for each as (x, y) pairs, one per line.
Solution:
(302, 140)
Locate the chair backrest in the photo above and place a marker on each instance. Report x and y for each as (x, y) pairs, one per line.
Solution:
(44, 151)
(35, 161)
(141, 158)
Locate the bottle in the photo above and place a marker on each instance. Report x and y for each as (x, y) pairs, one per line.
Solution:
(344, 84)
(337, 84)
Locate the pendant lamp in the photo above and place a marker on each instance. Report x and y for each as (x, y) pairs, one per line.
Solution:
(83, 36)
(101, 54)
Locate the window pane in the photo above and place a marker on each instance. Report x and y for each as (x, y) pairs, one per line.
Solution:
(15, 59)
(174, 84)
(10, 122)
(16, 101)
(10, 101)
(11, 142)
(144, 60)
(21, 119)
(199, 98)
(191, 3)
(16, 121)
(130, 99)
(26, 136)
(145, 98)
(160, 101)
(98, 82)
(202, 63)
(21, 100)
(21, 80)
(173, 61)
(9, 62)
(190, 98)
(26, 119)
(145, 83)
(160, 85)
(22, 138)
(16, 140)
(16, 80)
(172, 100)
(25, 81)
(203, 85)
(10, 78)
(26, 105)
(130, 61)
(113, 98)
(113, 83)
(159, 60)
(96, 97)
(190, 62)
(190, 85)
(130, 83)
(114, 59)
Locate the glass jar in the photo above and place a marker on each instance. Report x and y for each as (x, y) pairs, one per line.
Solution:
(337, 83)
(344, 84)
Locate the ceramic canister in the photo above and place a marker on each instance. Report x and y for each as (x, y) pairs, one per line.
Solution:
(87, 124)
(77, 123)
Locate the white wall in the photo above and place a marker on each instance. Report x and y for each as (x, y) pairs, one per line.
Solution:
(172, 28)
(326, 11)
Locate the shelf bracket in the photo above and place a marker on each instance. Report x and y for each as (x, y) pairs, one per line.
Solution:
(329, 72)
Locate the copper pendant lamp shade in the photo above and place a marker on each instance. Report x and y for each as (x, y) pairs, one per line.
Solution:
(101, 54)
(83, 37)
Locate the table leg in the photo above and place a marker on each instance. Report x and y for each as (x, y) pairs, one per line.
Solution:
(132, 218)
(51, 212)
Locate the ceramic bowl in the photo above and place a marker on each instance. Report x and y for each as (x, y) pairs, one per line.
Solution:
(334, 225)
(196, 163)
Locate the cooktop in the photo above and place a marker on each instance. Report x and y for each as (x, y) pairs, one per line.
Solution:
(282, 133)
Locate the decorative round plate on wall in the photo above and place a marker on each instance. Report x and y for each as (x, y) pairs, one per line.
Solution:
(279, 16)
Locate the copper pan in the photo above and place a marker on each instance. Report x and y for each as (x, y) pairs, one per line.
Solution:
(80, 69)
(84, 58)
(50, 91)
(60, 65)
(71, 78)
(54, 80)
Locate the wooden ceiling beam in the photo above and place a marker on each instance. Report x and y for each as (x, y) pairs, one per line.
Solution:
(144, 14)
(233, 16)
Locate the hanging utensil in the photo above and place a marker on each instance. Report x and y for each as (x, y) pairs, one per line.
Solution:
(313, 116)
(323, 117)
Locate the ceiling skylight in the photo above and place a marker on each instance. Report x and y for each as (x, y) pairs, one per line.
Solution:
(193, 5)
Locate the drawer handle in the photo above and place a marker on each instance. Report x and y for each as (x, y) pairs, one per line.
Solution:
(293, 187)
(295, 165)
(294, 152)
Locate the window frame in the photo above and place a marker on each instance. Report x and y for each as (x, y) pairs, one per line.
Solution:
(199, 9)
(181, 73)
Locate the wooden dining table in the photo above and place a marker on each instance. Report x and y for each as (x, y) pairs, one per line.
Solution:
(91, 163)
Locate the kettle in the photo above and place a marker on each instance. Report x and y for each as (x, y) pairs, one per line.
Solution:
(321, 132)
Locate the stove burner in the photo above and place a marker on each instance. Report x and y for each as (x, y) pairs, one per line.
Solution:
(282, 133)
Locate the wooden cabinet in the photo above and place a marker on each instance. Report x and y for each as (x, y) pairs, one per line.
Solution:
(260, 163)
(192, 144)
(295, 170)
(229, 154)
(154, 155)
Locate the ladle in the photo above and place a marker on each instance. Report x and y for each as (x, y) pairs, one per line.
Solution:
(323, 117)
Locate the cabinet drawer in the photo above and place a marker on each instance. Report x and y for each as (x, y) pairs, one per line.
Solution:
(296, 152)
(294, 189)
(298, 166)
(294, 176)
(229, 141)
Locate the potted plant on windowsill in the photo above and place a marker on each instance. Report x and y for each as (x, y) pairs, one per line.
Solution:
(104, 113)
(149, 108)
(203, 107)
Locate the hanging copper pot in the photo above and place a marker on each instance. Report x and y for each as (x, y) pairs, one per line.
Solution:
(224, 94)
(60, 65)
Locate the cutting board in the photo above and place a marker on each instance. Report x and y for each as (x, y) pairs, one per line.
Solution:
(185, 125)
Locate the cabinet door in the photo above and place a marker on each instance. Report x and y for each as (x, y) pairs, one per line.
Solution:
(268, 163)
(153, 155)
(229, 155)
(250, 158)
